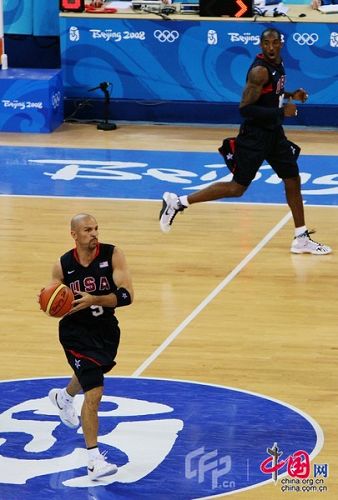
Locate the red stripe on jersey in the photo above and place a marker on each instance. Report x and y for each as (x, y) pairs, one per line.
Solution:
(267, 89)
(82, 356)
(76, 255)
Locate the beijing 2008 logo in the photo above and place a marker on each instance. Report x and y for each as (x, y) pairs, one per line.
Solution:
(74, 34)
(334, 39)
(157, 431)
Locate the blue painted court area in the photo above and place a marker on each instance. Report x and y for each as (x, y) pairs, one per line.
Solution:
(120, 174)
(171, 440)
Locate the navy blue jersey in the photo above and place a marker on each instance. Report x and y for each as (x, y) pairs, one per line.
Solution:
(95, 279)
(273, 91)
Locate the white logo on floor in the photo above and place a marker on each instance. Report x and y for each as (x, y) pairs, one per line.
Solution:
(157, 436)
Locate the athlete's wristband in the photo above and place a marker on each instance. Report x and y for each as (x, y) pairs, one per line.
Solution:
(122, 297)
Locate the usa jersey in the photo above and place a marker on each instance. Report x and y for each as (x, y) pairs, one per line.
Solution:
(95, 279)
(272, 94)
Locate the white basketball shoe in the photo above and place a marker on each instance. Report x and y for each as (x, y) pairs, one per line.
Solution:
(67, 411)
(99, 467)
(171, 205)
(305, 244)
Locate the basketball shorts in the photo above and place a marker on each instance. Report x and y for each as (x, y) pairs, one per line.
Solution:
(90, 350)
(88, 371)
(245, 154)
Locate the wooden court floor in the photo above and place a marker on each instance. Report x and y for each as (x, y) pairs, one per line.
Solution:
(271, 330)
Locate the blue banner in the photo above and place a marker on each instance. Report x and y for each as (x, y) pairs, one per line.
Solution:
(18, 17)
(46, 18)
(190, 60)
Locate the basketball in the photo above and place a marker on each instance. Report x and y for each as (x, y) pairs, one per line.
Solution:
(56, 300)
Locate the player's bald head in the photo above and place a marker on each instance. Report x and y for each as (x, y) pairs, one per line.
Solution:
(80, 219)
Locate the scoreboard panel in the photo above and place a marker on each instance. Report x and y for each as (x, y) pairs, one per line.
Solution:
(231, 8)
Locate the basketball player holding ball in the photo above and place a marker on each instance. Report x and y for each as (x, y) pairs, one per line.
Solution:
(98, 275)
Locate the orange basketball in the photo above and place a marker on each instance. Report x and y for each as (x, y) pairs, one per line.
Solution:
(56, 300)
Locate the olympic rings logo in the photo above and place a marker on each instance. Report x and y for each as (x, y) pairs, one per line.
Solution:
(305, 38)
(166, 35)
(56, 99)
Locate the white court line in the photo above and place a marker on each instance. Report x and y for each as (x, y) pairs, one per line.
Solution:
(211, 296)
(158, 200)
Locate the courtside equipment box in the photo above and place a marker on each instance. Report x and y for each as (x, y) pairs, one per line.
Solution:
(31, 100)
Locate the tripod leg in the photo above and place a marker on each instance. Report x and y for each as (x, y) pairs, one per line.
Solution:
(106, 125)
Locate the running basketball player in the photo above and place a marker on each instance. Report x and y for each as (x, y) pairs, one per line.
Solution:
(99, 277)
(261, 137)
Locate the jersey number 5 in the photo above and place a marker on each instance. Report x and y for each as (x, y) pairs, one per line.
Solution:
(96, 310)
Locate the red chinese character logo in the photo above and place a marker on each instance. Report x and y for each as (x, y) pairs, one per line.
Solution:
(299, 464)
(268, 466)
(271, 465)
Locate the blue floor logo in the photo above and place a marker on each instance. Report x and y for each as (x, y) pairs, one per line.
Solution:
(147, 174)
(170, 439)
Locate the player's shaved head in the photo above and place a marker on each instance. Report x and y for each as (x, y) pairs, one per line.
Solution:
(79, 219)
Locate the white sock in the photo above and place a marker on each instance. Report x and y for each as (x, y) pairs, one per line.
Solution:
(66, 397)
(300, 230)
(93, 453)
(184, 200)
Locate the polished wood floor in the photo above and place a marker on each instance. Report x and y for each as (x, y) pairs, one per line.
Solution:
(272, 329)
